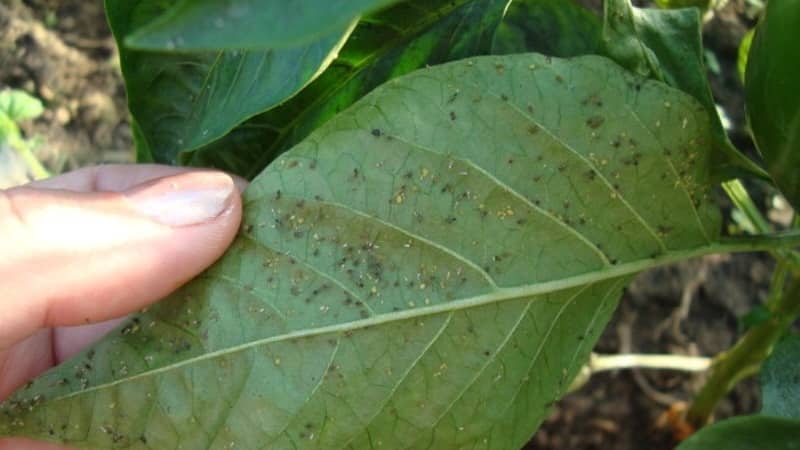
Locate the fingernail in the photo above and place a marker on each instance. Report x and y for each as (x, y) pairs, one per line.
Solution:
(186, 199)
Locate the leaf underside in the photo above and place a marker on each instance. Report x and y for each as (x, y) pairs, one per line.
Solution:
(427, 270)
(667, 45)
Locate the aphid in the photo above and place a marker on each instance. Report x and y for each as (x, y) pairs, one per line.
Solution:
(453, 96)
(594, 122)
(376, 132)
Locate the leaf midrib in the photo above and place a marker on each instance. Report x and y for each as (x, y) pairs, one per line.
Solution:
(497, 296)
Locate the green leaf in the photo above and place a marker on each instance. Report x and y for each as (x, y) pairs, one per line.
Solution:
(772, 93)
(780, 380)
(553, 27)
(667, 45)
(429, 269)
(754, 432)
(19, 105)
(385, 45)
(744, 51)
(249, 24)
(9, 130)
(674, 4)
(182, 101)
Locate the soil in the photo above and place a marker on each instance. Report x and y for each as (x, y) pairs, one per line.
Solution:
(62, 52)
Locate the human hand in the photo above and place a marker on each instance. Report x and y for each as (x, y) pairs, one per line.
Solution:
(83, 250)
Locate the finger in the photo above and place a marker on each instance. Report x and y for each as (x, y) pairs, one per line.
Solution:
(68, 341)
(116, 177)
(75, 258)
(24, 361)
(26, 444)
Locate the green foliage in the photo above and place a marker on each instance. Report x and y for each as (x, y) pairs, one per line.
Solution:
(445, 231)
(777, 427)
(744, 52)
(552, 27)
(780, 380)
(248, 24)
(772, 91)
(19, 105)
(385, 45)
(16, 106)
(673, 4)
(667, 45)
(747, 433)
(181, 101)
(431, 252)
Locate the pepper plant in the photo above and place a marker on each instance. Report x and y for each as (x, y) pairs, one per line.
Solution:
(447, 200)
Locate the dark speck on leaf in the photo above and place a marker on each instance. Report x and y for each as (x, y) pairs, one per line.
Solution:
(594, 122)
(376, 132)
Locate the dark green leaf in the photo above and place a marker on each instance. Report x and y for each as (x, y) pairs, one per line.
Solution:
(747, 433)
(428, 270)
(757, 315)
(667, 45)
(552, 27)
(780, 380)
(182, 101)
(388, 44)
(772, 91)
(249, 24)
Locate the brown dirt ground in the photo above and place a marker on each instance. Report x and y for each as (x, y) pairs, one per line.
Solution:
(62, 52)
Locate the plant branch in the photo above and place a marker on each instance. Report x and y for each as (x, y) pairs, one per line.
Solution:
(746, 356)
(37, 170)
(601, 363)
(742, 200)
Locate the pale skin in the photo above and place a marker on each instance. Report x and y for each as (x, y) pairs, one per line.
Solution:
(83, 250)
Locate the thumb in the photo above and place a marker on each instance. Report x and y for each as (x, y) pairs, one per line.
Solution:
(73, 258)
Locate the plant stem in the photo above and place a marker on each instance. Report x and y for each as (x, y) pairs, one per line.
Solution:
(24, 151)
(600, 363)
(746, 356)
(742, 200)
